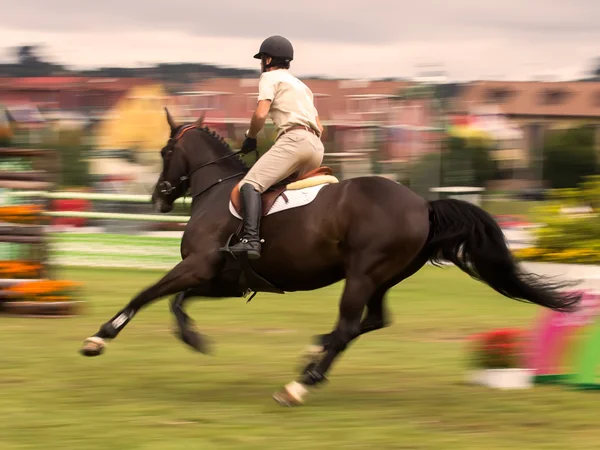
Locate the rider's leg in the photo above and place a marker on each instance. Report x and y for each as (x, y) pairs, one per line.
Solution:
(296, 151)
(252, 213)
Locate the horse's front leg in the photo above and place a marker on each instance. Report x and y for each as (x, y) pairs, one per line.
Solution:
(185, 327)
(191, 272)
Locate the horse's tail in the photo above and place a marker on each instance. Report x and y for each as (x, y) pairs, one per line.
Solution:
(469, 237)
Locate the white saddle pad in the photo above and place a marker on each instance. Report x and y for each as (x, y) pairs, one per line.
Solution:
(296, 198)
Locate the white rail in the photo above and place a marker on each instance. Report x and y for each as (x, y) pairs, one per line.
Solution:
(101, 197)
(86, 196)
(118, 216)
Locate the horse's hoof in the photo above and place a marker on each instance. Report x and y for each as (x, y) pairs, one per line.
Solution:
(195, 340)
(291, 395)
(198, 343)
(93, 346)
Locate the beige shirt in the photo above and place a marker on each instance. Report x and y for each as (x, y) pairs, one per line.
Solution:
(292, 101)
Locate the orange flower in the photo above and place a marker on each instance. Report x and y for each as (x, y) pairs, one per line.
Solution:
(20, 210)
(20, 213)
(41, 287)
(18, 269)
(54, 298)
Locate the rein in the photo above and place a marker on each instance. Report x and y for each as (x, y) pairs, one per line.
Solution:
(167, 187)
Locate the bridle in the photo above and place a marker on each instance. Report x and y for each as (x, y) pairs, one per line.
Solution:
(166, 188)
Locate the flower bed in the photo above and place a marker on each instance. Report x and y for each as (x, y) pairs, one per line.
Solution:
(567, 255)
(41, 298)
(497, 359)
(26, 214)
(498, 349)
(571, 231)
(43, 290)
(19, 269)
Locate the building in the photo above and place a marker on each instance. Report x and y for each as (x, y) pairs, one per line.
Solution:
(365, 121)
(536, 108)
(124, 117)
(91, 97)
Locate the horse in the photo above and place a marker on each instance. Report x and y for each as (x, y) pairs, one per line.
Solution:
(370, 232)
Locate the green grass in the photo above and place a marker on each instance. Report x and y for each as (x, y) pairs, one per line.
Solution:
(398, 388)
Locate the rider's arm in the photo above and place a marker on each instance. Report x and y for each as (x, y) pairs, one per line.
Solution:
(267, 87)
(259, 117)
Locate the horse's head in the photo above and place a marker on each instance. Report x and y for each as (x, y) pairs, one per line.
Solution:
(192, 160)
(173, 182)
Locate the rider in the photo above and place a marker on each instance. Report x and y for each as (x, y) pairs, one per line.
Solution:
(298, 148)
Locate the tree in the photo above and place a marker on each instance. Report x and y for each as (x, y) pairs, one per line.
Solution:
(569, 156)
(29, 63)
(27, 55)
(462, 163)
(596, 70)
(72, 150)
(468, 162)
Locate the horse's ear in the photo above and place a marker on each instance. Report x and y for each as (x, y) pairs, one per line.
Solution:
(198, 123)
(170, 119)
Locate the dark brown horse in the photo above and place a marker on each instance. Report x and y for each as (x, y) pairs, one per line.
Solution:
(370, 231)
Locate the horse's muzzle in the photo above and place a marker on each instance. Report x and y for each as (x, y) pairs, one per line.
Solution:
(160, 205)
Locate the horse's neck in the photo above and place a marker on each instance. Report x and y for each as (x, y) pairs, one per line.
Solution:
(205, 183)
(203, 178)
(218, 194)
(214, 182)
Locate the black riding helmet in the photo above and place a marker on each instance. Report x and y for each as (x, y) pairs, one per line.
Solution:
(277, 47)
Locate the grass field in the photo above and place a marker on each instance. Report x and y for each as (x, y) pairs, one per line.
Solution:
(399, 388)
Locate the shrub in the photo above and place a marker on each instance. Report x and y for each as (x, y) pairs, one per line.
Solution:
(568, 237)
(498, 349)
(569, 157)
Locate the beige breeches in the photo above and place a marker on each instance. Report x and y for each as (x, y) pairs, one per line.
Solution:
(294, 153)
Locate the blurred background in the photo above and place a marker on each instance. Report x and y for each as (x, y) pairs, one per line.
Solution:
(496, 104)
(439, 103)
(461, 96)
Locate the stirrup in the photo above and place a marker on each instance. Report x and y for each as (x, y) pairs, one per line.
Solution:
(230, 243)
(246, 241)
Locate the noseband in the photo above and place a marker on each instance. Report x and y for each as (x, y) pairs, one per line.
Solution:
(167, 188)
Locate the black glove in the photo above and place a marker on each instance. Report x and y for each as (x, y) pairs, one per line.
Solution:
(249, 145)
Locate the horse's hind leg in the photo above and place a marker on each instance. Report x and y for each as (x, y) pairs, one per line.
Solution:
(375, 319)
(332, 344)
(188, 273)
(357, 291)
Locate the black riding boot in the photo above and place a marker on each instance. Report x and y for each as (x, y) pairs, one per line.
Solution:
(252, 212)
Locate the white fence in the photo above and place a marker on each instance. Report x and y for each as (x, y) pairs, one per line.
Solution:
(101, 197)
(159, 250)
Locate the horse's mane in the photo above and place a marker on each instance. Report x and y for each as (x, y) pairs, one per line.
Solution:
(220, 145)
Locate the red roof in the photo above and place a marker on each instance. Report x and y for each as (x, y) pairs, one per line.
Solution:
(534, 98)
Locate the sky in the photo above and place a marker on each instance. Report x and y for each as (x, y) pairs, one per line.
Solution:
(468, 39)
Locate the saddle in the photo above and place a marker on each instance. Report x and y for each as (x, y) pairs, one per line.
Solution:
(238, 272)
(315, 177)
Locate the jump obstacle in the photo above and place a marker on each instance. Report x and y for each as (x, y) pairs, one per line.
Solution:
(565, 347)
(26, 285)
